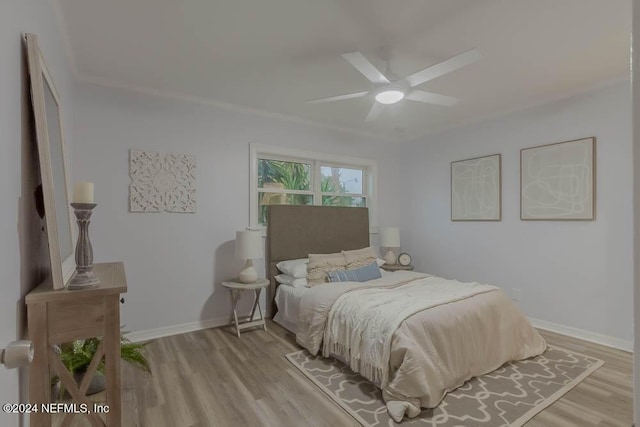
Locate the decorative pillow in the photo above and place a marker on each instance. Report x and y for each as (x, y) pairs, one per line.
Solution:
(320, 264)
(362, 274)
(295, 267)
(360, 257)
(285, 279)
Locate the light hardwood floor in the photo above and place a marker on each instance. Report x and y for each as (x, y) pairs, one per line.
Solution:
(211, 378)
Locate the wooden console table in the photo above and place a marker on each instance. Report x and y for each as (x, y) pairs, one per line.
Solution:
(61, 316)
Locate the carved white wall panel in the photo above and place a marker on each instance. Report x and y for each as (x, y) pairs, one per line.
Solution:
(162, 182)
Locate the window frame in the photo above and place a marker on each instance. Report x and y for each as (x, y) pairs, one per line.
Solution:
(369, 169)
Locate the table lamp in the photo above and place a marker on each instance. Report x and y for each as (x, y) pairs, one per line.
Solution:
(248, 247)
(390, 238)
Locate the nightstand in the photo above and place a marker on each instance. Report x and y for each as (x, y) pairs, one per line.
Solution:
(236, 289)
(396, 267)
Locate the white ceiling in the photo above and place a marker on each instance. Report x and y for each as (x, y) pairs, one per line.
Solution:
(273, 55)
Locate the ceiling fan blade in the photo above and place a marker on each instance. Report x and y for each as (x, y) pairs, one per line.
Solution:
(337, 98)
(375, 111)
(431, 98)
(444, 67)
(363, 65)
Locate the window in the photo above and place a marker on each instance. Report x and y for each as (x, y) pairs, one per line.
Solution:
(282, 182)
(343, 186)
(292, 177)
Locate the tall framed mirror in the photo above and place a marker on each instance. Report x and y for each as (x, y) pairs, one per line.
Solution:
(53, 169)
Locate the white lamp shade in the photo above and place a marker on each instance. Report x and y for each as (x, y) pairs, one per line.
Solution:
(248, 244)
(390, 237)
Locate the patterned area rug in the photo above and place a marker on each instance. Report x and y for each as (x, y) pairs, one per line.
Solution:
(508, 396)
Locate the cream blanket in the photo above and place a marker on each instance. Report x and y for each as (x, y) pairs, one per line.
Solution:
(433, 350)
(317, 302)
(361, 323)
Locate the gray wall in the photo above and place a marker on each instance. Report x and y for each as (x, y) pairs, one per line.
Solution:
(23, 249)
(175, 262)
(573, 273)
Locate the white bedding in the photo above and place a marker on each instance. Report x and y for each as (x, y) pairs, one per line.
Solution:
(288, 300)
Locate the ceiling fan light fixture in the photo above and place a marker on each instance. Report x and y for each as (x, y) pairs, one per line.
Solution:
(390, 96)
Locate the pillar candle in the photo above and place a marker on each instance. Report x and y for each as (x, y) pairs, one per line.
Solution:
(83, 192)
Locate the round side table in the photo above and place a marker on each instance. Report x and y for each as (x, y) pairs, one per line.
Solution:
(236, 289)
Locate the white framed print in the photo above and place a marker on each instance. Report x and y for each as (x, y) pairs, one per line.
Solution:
(558, 181)
(476, 193)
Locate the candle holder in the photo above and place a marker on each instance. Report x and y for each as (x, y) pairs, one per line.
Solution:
(85, 277)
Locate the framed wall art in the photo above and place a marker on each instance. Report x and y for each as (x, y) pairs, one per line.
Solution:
(476, 189)
(558, 181)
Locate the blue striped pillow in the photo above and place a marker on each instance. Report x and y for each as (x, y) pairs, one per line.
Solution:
(362, 274)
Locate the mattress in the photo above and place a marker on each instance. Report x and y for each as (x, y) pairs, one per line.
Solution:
(288, 300)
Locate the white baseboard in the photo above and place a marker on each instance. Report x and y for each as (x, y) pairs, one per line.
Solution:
(150, 334)
(594, 337)
(183, 328)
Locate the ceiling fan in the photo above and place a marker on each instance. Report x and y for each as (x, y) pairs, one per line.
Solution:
(388, 92)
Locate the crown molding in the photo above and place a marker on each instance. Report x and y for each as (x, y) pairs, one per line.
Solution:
(177, 96)
(521, 108)
(66, 41)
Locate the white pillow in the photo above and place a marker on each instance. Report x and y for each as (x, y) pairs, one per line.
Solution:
(285, 279)
(295, 267)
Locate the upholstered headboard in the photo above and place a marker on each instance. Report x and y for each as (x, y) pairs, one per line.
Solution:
(296, 231)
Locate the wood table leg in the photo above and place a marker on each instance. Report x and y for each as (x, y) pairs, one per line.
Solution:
(72, 388)
(39, 378)
(235, 296)
(264, 324)
(255, 303)
(112, 359)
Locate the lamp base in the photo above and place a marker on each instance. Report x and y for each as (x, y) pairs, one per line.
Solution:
(390, 257)
(249, 274)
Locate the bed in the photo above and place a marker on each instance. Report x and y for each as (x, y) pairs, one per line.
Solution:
(414, 335)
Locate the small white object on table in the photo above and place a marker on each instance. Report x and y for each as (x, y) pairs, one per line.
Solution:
(236, 289)
(83, 192)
